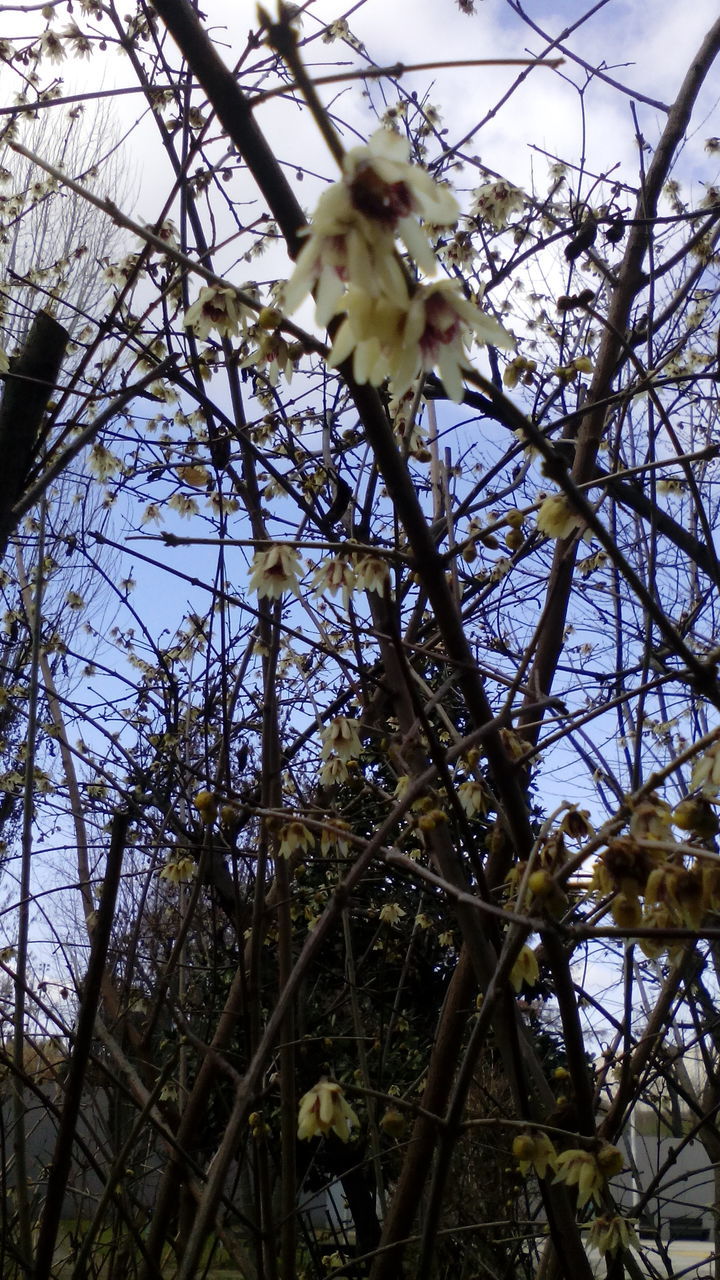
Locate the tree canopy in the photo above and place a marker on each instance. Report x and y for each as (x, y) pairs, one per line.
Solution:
(358, 676)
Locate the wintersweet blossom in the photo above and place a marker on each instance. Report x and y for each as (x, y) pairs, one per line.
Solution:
(295, 837)
(275, 571)
(80, 45)
(206, 804)
(352, 238)
(101, 462)
(519, 368)
(589, 1170)
(534, 1151)
(373, 333)
(184, 505)
(525, 969)
(391, 913)
(371, 573)
(271, 356)
(658, 916)
(179, 871)
(333, 839)
(496, 201)
(556, 518)
(706, 771)
(51, 46)
(333, 576)
(578, 1168)
(333, 772)
(388, 190)
(341, 246)
(216, 307)
(611, 1232)
(473, 797)
(401, 337)
(324, 1109)
(681, 890)
(340, 738)
(626, 911)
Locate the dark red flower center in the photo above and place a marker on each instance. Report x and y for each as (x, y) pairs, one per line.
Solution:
(385, 202)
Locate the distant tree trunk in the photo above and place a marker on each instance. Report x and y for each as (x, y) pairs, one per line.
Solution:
(29, 385)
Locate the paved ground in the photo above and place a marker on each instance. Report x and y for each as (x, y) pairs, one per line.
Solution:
(690, 1259)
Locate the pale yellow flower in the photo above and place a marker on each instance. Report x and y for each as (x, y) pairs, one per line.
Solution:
(576, 824)
(371, 573)
(193, 474)
(271, 356)
(295, 837)
(183, 504)
(341, 246)
(275, 571)
(206, 804)
(51, 46)
(391, 913)
(324, 1109)
(583, 364)
(473, 797)
(706, 771)
(525, 969)
(79, 43)
(534, 1151)
(611, 1232)
(334, 840)
(102, 462)
(333, 576)
(626, 911)
(219, 308)
(496, 201)
(402, 336)
(651, 819)
(579, 1168)
(588, 1170)
(338, 30)
(388, 191)
(661, 917)
(519, 368)
(556, 518)
(179, 871)
(333, 772)
(681, 890)
(372, 332)
(340, 737)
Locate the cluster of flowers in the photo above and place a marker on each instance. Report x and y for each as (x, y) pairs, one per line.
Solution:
(645, 877)
(589, 1171)
(650, 879)
(393, 327)
(276, 570)
(341, 746)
